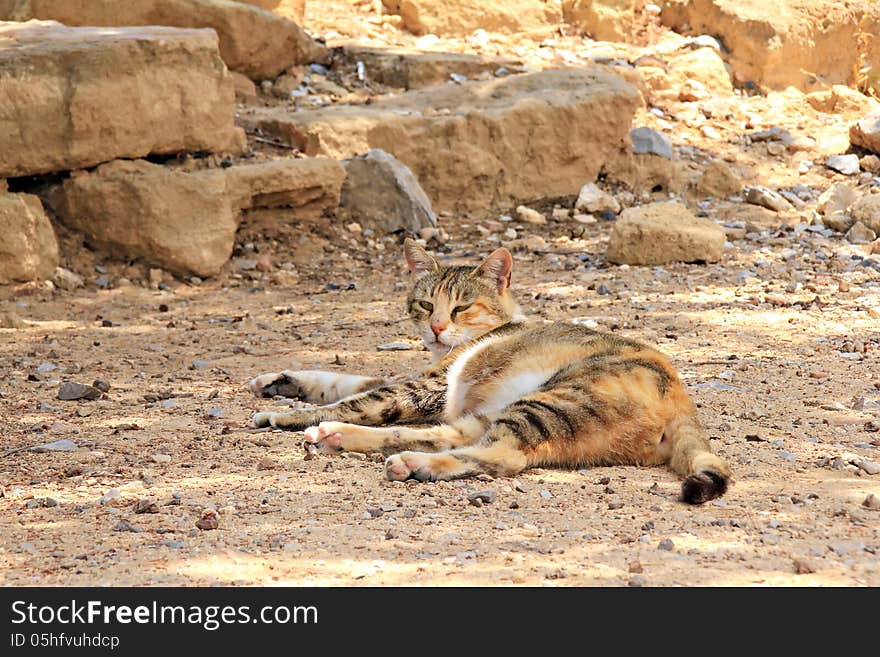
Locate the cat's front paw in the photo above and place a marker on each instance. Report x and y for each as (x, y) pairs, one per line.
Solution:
(273, 384)
(409, 465)
(263, 419)
(327, 436)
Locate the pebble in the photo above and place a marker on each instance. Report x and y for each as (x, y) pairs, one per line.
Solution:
(648, 141)
(160, 458)
(666, 544)
(73, 391)
(546, 494)
(103, 386)
(530, 216)
(57, 446)
(209, 520)
(803, 567)
(767, 198)
(871, 502)
(637, 582)
(146, 506)
(110, 496)
(394, 346)
(200, 365)
(859, 233)
(848, 165)
(868, 466)
(126, 526)
(482, 497)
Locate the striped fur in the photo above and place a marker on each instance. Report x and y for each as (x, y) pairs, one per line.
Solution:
(509, 394)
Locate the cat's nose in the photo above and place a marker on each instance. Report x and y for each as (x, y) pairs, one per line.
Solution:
(438, 329)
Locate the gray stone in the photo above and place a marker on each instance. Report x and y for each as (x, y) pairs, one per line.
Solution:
(848, 165)
(859, 233)
(647, 140)
(483, 496)
(72, 391)
(869, 466)
(591, 199)
(867, 211)
(394, 346)
(56, 446)
(382, 193)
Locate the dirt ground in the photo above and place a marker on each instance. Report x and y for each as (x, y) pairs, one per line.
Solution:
(778, 343)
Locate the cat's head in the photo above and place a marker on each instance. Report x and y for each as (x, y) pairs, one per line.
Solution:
(453, 305)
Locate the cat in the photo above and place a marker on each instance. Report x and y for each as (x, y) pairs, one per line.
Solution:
(504, 393)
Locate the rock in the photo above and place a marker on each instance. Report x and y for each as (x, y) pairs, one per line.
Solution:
(482, 496)
(859, 233)
(28, 246)
(604, 20)
(209, 520)
(647, 140)
(870, 163)
(868, 466)
(836, 199)
(470, 145)
(871, 502)
(382, 193)
(126, 526)
(529, 216)
(146, 506)
(773, 134)
(11, 320)
(394, 346)
(848, 165)
(719, 180)
(840, 99)
(82, 96)
(532, 243)
(661, 233)
(161, 458)
(803, 567)
(702, 66)
(591, 199)
(866, 133)
(72, 391)
(111, 495)
(783, 43)
(546, 494)
(462, 17)
(251, 41)
(66, 279)
(267, 463)
(56, 446)
(397, 67)
(103, 386)
(637, 582)
(293, 10)
(311, 186)
(867, 211)
(666, 544)
(244, 87)
(768, 198)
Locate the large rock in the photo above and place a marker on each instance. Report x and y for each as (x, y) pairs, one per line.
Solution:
(413, 70)
(294, 10)
(186, 221)
(661, 233)
(462, 17)
(311, 185)
(700, 72)
(382, 193)
(183, 222)
(604, 20)
(842, 100)
(76, 97)
(253, 41)
(866, 133)
(518, 138)
(801, 43)
(28, 247)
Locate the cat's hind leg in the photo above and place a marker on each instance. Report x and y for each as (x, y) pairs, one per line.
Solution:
(312, 386)
(333, 437)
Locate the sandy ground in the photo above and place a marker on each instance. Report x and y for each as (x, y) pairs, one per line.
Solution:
(778, 343)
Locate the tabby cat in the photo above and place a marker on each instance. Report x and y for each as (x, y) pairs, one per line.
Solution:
(505, 393)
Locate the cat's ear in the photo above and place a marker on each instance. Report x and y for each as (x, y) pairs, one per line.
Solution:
(418, 260)
(497, 267)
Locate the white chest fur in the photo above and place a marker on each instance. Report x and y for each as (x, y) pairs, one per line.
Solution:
(457, 386)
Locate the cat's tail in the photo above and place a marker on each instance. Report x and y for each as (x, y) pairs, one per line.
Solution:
(706, 475)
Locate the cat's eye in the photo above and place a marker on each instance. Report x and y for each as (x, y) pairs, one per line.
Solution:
(427, 306)
(461, 309)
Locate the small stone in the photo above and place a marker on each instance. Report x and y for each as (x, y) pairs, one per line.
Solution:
(649, 141)
(803, 567)
(872, 502)
(767, 198)
(635, 567)
(146, 506)
(591, 199)
(209, 520)
(110, 496)
(666, 544)
(160, 458)
(483, 497)
(126, 526)
(859, 233)
(73, 470)
(546, 494)
(868, 466)
(394, 346)
(613, 506)
(267, 463)
(530, 216)
(870, 163)
(66, 279)
(57, 446)
(103, 386)
(637, 582)
(775, 148)
(73, 391)
(200, 365)
(848, 165)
